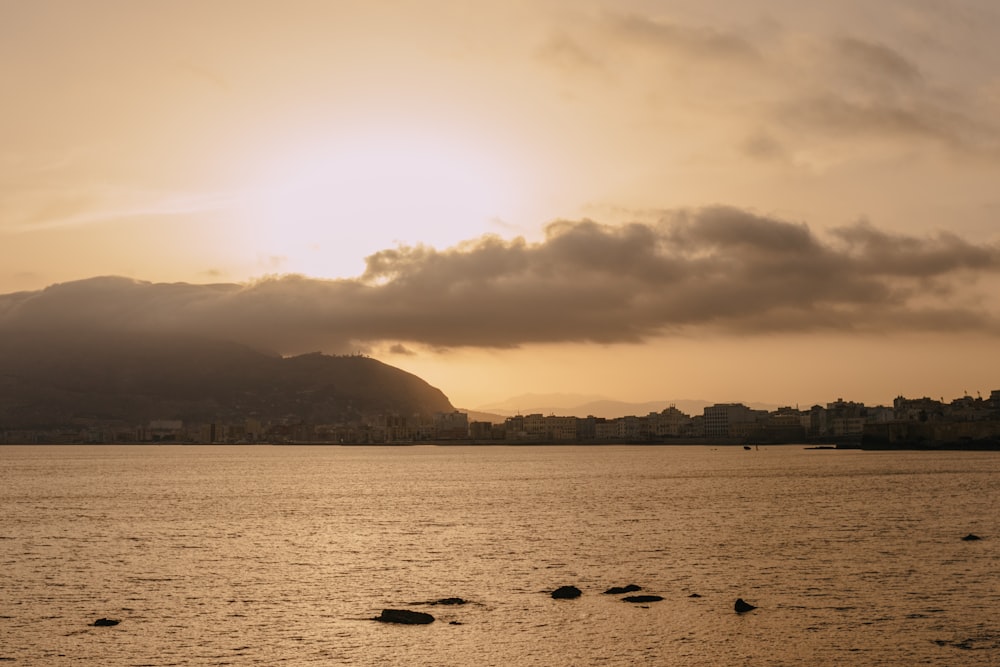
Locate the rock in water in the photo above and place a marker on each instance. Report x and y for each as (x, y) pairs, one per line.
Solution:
(742, 606)
(404, 616)
(105, 622)
(618, 590)
(642, 598)
(450, 601)
(566, 593)
(445, 601)
(971, 537)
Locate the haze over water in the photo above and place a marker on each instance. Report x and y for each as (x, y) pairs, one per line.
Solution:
(278, 555)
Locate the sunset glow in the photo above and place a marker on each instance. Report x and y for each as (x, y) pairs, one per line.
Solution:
(775, 201)
(372, 191)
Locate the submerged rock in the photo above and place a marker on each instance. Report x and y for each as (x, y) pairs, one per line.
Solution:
(445, 601)
(642, 598)
(105, 622)
(742, 606)
(404, 616)
(450, 601)
(618, 590)
(566, 593)
(971, 537)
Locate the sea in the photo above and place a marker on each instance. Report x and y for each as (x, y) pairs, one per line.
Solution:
(283, 555)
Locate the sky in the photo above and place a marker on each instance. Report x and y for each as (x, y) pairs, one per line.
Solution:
(766, 201)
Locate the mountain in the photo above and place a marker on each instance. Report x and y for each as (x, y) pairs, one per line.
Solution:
(606, 408)
(582, 405)
(479, 416)
(56, 379)
(528, 403)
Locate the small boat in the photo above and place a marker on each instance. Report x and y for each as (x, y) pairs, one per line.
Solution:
(746, 447)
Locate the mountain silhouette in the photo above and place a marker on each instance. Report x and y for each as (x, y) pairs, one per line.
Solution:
(56, 379)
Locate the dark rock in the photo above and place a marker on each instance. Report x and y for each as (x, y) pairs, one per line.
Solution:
(642, 598)
(742, 606)
(971, 537)
(566, 593)
(694, 595)
(445, 601)
(618, 590)
(404, 616)
(105, 622)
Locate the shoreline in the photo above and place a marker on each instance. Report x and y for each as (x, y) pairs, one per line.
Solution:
(989, 445)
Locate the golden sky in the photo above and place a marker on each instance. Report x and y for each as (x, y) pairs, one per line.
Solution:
(768, 200)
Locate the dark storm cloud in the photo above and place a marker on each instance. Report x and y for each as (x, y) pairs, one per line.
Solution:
(719, 268)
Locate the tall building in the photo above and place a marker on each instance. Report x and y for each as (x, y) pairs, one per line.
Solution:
(728, 420)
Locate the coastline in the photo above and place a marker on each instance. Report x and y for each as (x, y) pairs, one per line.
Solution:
(991, 444)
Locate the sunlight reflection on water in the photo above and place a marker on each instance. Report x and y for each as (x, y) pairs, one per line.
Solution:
(265, 555)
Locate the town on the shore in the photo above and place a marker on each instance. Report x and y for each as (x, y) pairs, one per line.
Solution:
(963, 423)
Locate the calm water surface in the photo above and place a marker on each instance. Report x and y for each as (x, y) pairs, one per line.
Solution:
(279, 555)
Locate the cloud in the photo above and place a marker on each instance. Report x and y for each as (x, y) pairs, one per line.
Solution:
(762, 145)
(853, 119)
(818, 92)
(877, 60)
(562, 51)
(688, 40)
(102, 204)
(849, 89)
(716, 269)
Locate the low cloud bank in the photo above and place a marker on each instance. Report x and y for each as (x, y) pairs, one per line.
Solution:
(720, 269)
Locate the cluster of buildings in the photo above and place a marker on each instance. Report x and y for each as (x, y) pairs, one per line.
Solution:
(909, 422)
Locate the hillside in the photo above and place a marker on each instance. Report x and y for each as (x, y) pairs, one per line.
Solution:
(54, 379)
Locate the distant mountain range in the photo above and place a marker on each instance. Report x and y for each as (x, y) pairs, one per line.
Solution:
(584, 405)
(56, 379)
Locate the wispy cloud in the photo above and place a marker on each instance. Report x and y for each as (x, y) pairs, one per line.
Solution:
(871, 59)
(722, 269)
(100, 205)
(814, 91)
(562, 51)
(684, 39)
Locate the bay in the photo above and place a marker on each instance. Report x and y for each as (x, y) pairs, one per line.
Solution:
(281, 555)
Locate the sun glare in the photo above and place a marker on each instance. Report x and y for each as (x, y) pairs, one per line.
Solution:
(325, 205)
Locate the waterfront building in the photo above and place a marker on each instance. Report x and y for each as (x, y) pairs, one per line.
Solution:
(729, 420)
